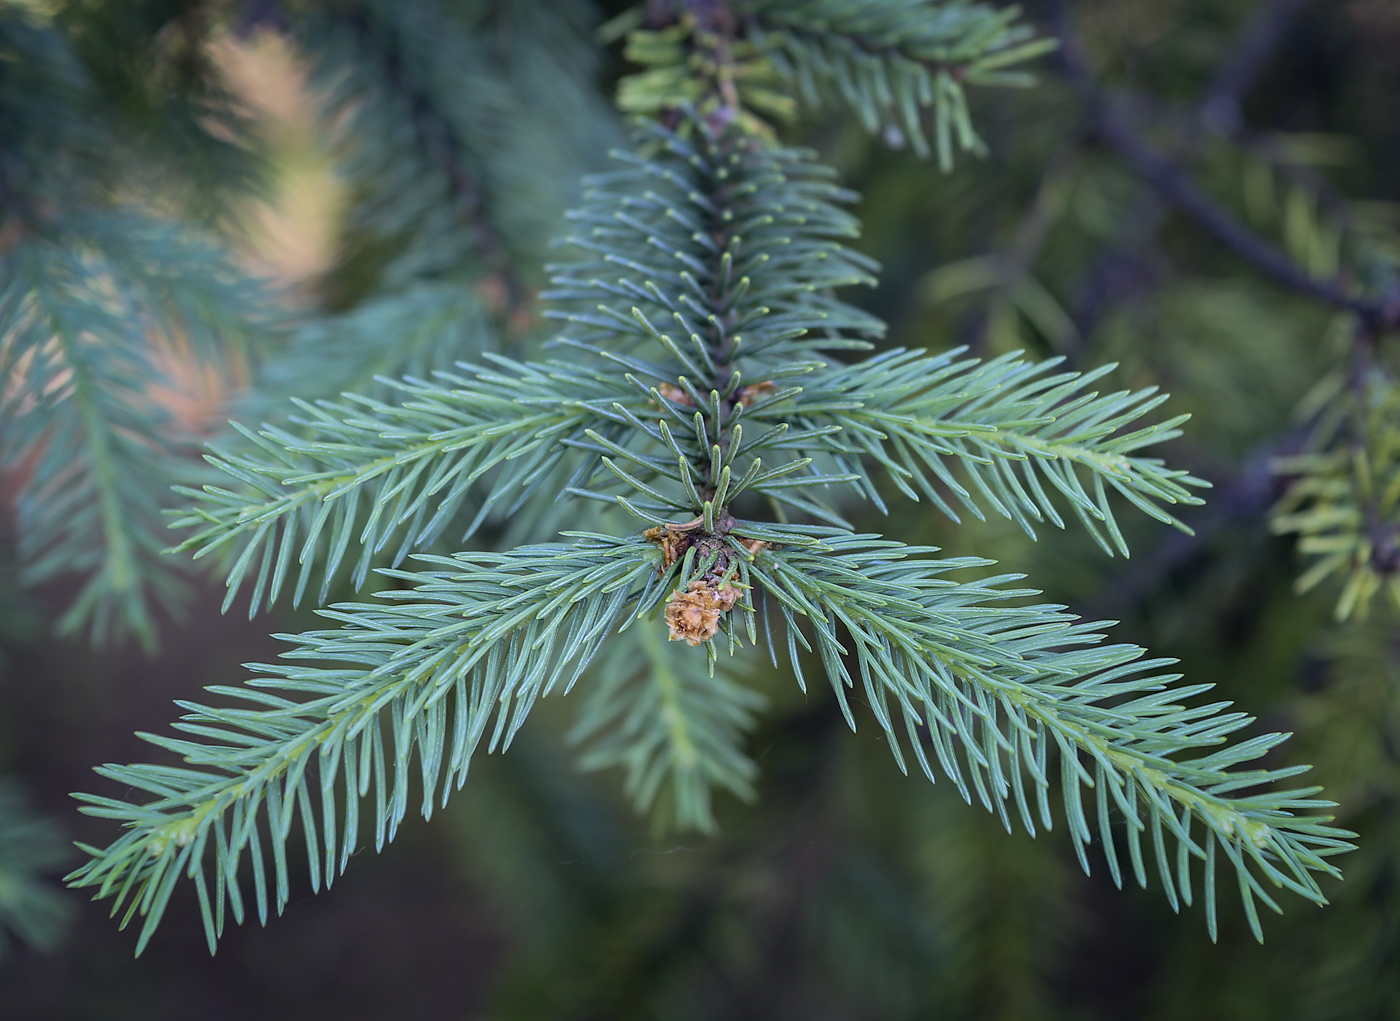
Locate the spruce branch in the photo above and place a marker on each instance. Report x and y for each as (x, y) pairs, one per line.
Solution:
(676, 728)
(394, 46)
(890, 61)
(707, 274)
(994, 690)
(902, 638)
(1017, 431)
(1343, 500)
(97, 299)
(385, 475)
(375, 473)
(1009, 425)
(705, 335)
(431, 671)
(435, 107)
(82, 318)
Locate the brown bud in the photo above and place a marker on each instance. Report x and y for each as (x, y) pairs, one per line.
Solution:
(692, 616)
(675, 395)
(494, 292)
(757, 391)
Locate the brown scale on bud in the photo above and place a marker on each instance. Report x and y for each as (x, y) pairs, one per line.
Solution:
(674, 540)
(675, 395)
(673, 543)
(756, 392)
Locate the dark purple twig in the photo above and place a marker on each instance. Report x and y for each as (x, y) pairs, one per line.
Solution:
(1177, 188)
(1261, 35)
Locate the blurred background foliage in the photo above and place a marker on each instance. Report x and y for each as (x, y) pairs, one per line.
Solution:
(371, 187)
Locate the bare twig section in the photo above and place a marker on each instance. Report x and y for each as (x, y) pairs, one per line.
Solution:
(1237, 73)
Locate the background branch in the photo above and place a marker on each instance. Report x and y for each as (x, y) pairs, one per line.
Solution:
(443, 148)
(1173, 184)
(1125, 265)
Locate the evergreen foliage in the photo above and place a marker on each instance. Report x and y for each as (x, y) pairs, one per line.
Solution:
(108, 296)
(96, 293)
(705, 394)
(889, 61)
(713, 429)
(1343, 499)
(676, 727)
(30, 846)
(893, 60)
